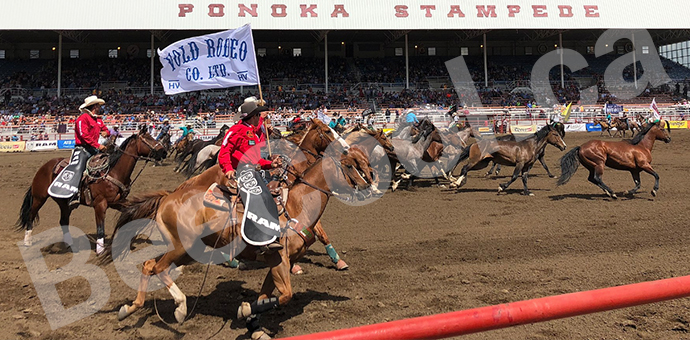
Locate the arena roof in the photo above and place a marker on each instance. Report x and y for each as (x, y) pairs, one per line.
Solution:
(342, 15)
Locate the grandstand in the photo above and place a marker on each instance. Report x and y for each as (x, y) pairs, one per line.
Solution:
(48, 71)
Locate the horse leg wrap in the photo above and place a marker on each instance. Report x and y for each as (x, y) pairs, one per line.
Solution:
(253, 323)
(180, 301)
(66, 236)
(264, 305)
(332, 253)
(100, 231)
(27, 238)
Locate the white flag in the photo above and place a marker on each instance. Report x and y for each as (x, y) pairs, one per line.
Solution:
(212, 61)
(655, 109)
(323, 117)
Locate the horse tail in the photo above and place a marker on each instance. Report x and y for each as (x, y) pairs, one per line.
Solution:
(25, 220)
(569, 165)
(191, 164)
(137, 208)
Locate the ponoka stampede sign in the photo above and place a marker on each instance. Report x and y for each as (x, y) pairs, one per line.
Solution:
(340, 14)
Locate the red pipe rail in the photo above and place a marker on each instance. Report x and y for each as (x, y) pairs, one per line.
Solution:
(481, 319)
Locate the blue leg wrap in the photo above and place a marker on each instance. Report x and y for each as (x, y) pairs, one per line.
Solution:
(332, 253)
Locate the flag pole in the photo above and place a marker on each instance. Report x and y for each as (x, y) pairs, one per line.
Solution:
(262, 102)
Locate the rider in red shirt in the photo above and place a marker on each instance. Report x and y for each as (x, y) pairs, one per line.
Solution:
(241, 143)
(241, 147)
(87, 128)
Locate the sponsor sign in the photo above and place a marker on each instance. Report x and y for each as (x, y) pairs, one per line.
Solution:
(66, 144)
(41, 145)
(592, 127)
(678, 124)
(575, 127)
(523, 129)
(12, 146)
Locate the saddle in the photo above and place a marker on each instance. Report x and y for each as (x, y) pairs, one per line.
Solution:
(97, 167)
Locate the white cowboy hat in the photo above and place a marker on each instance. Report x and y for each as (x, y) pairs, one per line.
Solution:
(91, 101)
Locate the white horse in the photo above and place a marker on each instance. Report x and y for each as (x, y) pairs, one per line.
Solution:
(204, 159)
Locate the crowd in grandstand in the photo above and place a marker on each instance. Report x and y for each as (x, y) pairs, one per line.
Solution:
(355, 85)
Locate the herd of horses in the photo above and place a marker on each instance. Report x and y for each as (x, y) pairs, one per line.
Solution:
(319, 164)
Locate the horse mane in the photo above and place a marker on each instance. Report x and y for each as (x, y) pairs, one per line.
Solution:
(543, 132)
(119, 151)
(640, 135)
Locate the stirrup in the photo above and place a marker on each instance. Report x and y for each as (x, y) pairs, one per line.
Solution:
(270, 248)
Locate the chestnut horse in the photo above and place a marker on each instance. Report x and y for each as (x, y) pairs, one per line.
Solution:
(522, 155)
(109, 190)
(183, 220)
(631, 155)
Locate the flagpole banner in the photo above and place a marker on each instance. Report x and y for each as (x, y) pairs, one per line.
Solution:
(212, 61)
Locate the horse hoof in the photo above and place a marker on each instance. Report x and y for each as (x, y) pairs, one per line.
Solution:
(442, 186)
(500, 189)
(614, 196)
(181, 312)
(654, 193)
(552, 176)
(260, 335)
(297, 270)
(244, 311)
(123, 313)
(530, 194)
(341, 265)
(243, 266)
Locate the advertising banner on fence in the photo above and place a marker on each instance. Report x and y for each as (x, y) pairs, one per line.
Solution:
(593, 127)
(678, 124)
(12, 146)
(575, 127)
(523, 129)
(41, 145)
(212, 61)
(66, 144)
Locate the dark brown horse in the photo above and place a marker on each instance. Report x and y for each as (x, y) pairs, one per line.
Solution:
(558, 127)
(182, 219)
(630, 155)
(522, 155)
(107, 190)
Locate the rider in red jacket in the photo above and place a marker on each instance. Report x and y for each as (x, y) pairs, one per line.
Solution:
(87, 128)
(241, 144)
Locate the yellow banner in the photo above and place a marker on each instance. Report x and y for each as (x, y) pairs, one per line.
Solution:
(12, 146)
(678, 124)
(484, 129)
(518, 129)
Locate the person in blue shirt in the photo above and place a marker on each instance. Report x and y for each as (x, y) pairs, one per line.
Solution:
(164, 128)
(411, 118)
(186, 130)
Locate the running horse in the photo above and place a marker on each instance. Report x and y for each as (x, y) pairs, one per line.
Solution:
(180, 146)
(560, 127)
(522, 155)
(605, 126)
(633, 155)
(309, 192)
(196, 145)
(110, 189)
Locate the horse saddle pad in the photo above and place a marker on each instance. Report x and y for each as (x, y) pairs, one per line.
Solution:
(260, 223)
(66, 184)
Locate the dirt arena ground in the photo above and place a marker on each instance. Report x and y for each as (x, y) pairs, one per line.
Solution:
(411, 253)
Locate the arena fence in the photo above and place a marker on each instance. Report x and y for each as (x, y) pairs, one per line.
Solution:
(446, 325)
